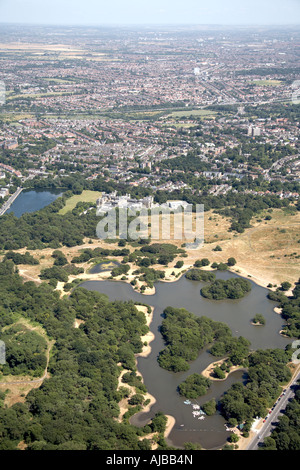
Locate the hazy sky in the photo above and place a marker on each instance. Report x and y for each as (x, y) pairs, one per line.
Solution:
(93, 12)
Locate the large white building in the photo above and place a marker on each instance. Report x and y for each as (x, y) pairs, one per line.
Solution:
(109, 201)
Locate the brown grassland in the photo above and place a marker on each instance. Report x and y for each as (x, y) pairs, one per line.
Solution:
(263, 252)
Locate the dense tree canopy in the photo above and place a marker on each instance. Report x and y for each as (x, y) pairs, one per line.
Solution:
(75, 408)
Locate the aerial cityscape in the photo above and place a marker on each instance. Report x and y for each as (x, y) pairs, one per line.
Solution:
(149, 336)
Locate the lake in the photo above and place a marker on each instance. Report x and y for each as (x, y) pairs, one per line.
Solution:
(33, 200)
(162, 384)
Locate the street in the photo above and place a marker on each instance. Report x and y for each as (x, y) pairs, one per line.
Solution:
(272, 417)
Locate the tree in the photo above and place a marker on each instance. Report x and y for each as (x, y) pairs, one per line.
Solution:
(179, 264)
(269, 444)
(159, 422)
(231, 261)
(259, 319)
(285, 285)
(194, 386)
(219, 373)
(234, 438)
(210, 407)
(217, 248)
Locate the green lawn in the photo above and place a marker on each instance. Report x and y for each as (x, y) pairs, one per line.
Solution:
(195, 112)
(85, 196)
(267, 82)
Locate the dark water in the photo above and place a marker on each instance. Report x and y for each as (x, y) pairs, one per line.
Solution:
(31, 201)
(162, 384)
(103, 267)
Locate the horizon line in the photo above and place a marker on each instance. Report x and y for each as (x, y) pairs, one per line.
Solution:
(257, 25)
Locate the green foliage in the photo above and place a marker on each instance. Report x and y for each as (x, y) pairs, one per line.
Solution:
(122, 269)
(237, 349)
(186, 334)
(234, 437)
(194, 386)
(18, 258)
(159, 423)
(259, 319)
(149, 275)
(290, 310)
(192, 446)
(231, 261)
(217, 248)
(179, 264)
(267, 371)
(56, 272)
(234, 288)
(60, 259)
(46, 228)
(222, 267)
(219, 374)
(202, 262)
(210, 407)
(160, 253)
(285, 285)
(76, 407)
(25, 351)
(198, 275)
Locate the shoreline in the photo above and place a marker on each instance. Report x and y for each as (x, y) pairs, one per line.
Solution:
(241, 272)
(170, 425)
(209, 369)
(148, 337)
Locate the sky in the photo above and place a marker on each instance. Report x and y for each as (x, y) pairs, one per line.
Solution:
(138, 12)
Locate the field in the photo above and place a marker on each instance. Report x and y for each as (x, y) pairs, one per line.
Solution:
(14, 117)
(267, 82)
(85, 196)
(203, 113)
(266, 252)
(37, 95)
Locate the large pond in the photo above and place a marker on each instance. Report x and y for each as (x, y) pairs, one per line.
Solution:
(162, 384)
(33, 200)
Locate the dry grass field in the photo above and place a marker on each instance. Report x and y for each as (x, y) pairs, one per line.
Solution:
(267, 252)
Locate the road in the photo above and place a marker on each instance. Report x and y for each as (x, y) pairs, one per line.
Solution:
(281, 404)
(9, 202)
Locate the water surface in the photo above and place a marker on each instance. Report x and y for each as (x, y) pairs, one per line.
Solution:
(33, 200)
(162, 384)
